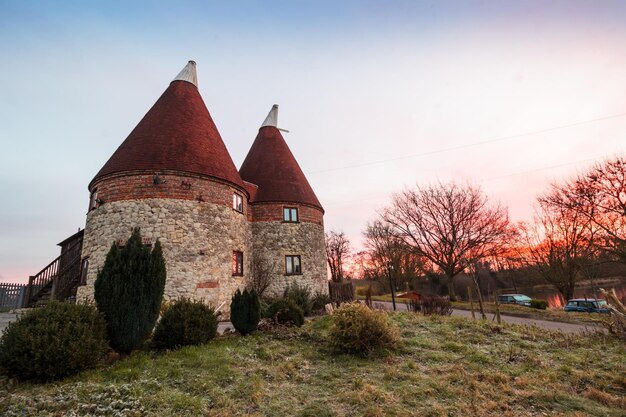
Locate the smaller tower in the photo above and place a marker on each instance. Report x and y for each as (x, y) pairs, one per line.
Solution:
(287, 217)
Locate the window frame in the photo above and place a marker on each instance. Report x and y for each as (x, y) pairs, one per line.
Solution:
(84, 270)
(238, 202)
(290, 210)
(289, 261)
(237, 263)
(93, 200)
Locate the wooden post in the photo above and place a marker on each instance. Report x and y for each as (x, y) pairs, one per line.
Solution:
(480, 297)
(393, 292)
(55, 284)
(471, 300)
(29, 291)
(497, 307)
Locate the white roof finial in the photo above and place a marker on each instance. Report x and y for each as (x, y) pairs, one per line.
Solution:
(272, 117)
(188, 74)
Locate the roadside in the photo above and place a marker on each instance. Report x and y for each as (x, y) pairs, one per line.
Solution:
(556, 315)
(574, 328)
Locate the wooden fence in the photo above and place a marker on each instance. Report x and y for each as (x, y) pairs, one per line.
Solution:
(340, 292)
(11, 295)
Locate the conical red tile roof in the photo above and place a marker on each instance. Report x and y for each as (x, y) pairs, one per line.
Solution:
(271, 165)
(177, 134)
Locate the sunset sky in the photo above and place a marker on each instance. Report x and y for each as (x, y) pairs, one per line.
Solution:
(377, 96)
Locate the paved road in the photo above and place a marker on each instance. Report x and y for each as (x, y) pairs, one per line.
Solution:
(545, 324)
(5, 319)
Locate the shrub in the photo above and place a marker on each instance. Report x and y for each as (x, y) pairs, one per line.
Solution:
(431, 305)
(285, 311)
(129, 290)
(539, 304)
(245, 311)
(414, 305)
(185, 322)
(361, 291)
(357, 329)
(53, 342)
(300, 295)
(318, 302)
(265, 307)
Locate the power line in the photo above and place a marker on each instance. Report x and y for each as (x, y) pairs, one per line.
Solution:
(500, 176)
(469, 145)
(542, 168)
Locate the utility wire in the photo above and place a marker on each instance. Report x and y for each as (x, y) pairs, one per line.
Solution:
(542, 169)
(340, 203)
(469, 145)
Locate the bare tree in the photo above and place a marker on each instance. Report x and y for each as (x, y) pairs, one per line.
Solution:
(600, 196)
(557, 244)
(389, 254)
(451, 226)
(337, 250)
(262, 271)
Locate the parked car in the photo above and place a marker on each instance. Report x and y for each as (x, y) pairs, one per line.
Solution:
(586, 305)
(519, 299)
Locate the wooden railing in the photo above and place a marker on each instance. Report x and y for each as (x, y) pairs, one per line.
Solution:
(59, 277)
(11, 295)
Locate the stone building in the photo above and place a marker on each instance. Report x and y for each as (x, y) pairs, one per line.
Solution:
(174, 178)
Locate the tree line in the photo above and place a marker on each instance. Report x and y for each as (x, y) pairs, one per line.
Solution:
(440, 231)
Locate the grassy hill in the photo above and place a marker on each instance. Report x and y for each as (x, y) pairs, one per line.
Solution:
(445, 367)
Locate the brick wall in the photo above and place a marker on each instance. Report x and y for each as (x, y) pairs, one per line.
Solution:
(270, 212)
(173, 185)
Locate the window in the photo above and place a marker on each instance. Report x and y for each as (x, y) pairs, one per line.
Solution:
(238, 202)
(84, 268)
(290, 214)
(93, 200)
(237, 263)
(292, 265)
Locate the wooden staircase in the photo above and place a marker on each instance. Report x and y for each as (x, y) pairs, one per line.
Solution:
(58, 280)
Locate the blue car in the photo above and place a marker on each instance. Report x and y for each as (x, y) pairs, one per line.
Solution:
(586, 305)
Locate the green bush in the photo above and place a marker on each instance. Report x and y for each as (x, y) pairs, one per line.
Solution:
(318, 302)
(300, 295)
(265, 307)
(53, 342)
(539, 304)
(357, 329)
(361, 291)
(185, 322)
(245, 311)
(129, 291)
(285, 311)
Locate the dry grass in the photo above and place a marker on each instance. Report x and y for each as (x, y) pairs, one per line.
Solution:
(446, 366)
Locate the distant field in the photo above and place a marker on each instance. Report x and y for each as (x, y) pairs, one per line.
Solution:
(446, 366)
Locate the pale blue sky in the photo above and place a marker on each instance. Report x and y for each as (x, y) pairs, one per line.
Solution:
(357, 83)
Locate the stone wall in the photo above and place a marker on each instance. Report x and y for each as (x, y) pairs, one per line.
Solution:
(198, 240)
(274, 240)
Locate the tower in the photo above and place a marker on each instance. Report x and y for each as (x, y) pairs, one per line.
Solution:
(287, 217)
(174, 178)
